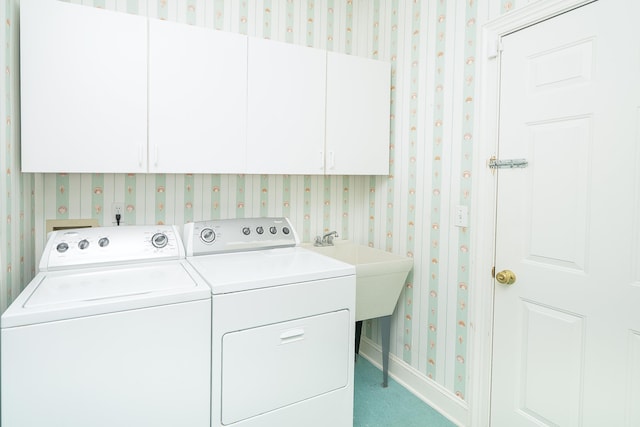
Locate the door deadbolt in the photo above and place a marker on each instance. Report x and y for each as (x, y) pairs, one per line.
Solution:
(506, 277)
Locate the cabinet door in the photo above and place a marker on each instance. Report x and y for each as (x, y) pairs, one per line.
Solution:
(197, 99)
(358, 106)
(286, 108)
(83, 75)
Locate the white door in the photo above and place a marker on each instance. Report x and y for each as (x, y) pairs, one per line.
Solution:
(567, 332)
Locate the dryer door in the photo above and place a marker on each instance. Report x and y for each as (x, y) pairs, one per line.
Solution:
(270, 367)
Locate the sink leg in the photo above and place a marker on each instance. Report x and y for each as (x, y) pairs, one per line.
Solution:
(385, 330)
(358, 335)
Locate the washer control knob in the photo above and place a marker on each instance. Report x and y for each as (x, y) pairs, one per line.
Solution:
(103, 242)
(208, 235)
(62, 247)
(83, 244)
(273, 230)
(246, 231)
(285, 230)
(260, 229)
(159, 240)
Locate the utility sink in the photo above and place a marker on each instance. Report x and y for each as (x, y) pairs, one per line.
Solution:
(380, 276)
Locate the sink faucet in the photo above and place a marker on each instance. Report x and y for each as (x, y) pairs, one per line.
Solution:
(326, 239)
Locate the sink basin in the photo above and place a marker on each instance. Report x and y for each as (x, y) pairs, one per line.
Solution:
(380, 275)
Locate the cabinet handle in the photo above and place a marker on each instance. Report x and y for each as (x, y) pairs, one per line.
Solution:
(332, 160)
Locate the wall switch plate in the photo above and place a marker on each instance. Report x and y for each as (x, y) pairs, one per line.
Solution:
(117, 208)
(461, 216)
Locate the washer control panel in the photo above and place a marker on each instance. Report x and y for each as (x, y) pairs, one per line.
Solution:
(235, 235)
(110, 245)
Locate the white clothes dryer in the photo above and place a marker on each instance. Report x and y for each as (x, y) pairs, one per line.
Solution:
(283, 325)
(114, 330)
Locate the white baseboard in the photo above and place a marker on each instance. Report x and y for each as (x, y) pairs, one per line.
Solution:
(432, 393)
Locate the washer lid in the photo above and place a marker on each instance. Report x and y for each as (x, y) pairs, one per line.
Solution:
(241, 271)
(82, 292)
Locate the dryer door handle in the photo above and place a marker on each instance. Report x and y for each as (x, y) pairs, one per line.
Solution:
(292, 335)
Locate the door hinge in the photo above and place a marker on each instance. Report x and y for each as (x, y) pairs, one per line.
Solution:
(494, 47)
(507, 164)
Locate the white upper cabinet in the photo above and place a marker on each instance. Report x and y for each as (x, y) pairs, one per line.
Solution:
(197, 99)
(358, 115)
(83, 74)
(286, 108)
(110, 92)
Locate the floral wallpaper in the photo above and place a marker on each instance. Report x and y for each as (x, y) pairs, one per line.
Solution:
(17, 258)
(431, 46)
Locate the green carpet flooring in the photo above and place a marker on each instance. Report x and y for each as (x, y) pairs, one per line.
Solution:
(393, 406)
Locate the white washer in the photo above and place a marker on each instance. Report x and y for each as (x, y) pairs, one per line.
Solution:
(283, 325)
(115, 330)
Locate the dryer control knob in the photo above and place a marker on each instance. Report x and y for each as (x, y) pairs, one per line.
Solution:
(207, 235)
(159, 240)
(260, 229)
(246, 231)
(62, 247)
(285, 230)
(103, 242)
(273, 230)
(83, 244)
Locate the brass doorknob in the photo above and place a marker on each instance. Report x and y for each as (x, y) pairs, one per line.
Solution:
(506, 277)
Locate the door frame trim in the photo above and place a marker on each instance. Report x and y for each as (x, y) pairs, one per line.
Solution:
(484, 191)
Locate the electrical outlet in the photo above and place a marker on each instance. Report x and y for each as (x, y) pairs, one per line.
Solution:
(117, 208)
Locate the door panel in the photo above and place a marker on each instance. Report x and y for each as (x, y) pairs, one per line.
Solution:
(566, 336)
(559, 151)
(562, 67)
(551, 352)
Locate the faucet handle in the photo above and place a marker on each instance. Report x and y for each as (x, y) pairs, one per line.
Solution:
(318, 241)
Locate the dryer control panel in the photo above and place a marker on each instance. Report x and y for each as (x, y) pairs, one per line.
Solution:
(236, 235)
(110, 245)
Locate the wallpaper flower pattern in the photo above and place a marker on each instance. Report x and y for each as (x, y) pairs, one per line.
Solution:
(431, 46)
(17, 262)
